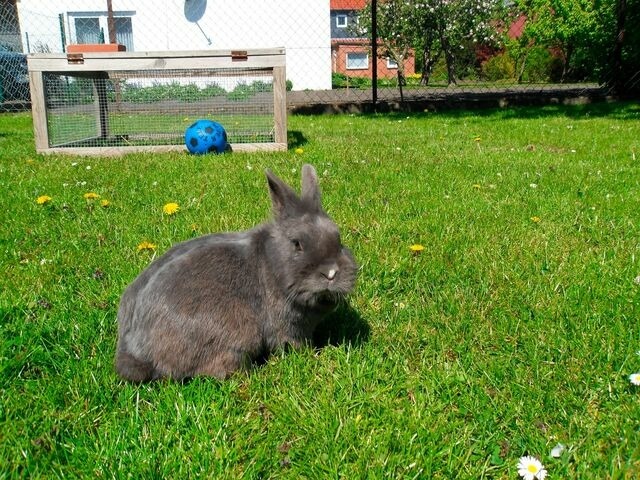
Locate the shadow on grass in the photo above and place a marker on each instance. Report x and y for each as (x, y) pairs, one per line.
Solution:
(613, 110)
(619, 110)
(295, 139)
(344, 326)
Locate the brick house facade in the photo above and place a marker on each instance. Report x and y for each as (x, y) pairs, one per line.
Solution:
(351, 54)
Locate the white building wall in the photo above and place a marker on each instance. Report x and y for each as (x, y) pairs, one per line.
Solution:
(301, 26)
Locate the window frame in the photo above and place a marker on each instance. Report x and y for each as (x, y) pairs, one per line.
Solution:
(342, 20)
(102, 19)
(365, 61)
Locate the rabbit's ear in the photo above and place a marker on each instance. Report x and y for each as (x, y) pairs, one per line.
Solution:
(310, 189)
(284, 200)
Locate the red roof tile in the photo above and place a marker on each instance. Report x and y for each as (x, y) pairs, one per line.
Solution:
(347, 4)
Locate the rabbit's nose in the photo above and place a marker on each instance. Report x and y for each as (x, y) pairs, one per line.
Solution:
(331, 273)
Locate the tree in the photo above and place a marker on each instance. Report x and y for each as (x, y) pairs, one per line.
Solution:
(456, 25)
(433, 28)
(518, 45)
(395, 32)
(580, 31)
(624, 75)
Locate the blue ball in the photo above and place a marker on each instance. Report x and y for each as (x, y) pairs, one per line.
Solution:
(205, 136)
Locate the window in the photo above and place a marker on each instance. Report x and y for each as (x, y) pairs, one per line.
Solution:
(88, 30)
(391, 64)
(124, 32)
(91, 27)
(357, 60)
(341, 20)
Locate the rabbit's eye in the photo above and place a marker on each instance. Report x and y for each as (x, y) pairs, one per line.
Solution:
(297, 245)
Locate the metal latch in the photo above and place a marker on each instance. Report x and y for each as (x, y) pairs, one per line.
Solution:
(75, 58)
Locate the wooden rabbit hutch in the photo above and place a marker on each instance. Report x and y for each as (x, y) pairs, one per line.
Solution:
(96, 103)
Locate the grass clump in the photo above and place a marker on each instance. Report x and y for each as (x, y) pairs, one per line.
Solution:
(514, 327)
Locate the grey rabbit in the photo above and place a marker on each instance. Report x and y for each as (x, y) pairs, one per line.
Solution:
(214, 304)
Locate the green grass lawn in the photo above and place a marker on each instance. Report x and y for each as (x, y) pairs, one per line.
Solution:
(515, 329)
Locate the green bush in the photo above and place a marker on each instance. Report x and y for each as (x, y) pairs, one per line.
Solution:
(538, 65)
(259, 87)
(466, 63)
(132, 92)
(76, 91)
(245, 91)
(136, 93)
(213, 90)
(413, 79)
(439, 72)
(338, 80)
(241, 92)
(359, 82)
(500, 67)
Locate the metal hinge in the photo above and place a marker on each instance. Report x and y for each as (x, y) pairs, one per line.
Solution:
(239, 55)
(75, 58)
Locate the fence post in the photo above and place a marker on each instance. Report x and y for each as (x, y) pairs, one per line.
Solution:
(63, 37)
(111, 23)
(374, 54)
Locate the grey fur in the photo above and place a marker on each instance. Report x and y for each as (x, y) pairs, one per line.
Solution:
(214, 304)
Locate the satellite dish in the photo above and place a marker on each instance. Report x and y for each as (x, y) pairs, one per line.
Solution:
(194, 9)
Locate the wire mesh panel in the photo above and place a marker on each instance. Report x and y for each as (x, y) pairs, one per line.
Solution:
(109, 103)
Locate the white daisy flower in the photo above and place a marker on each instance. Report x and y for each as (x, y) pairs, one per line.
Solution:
(635, 378)
(530, 468)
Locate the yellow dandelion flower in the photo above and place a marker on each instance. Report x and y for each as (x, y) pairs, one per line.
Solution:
(91, 196)
(299, 151)
(146, 246)
(170, 208)
(105, 203)
(477, 139)
(416, 248)
(535, 219)
(477, 186)
(42, 199)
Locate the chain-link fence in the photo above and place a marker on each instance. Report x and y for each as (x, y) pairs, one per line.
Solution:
(425, 49)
